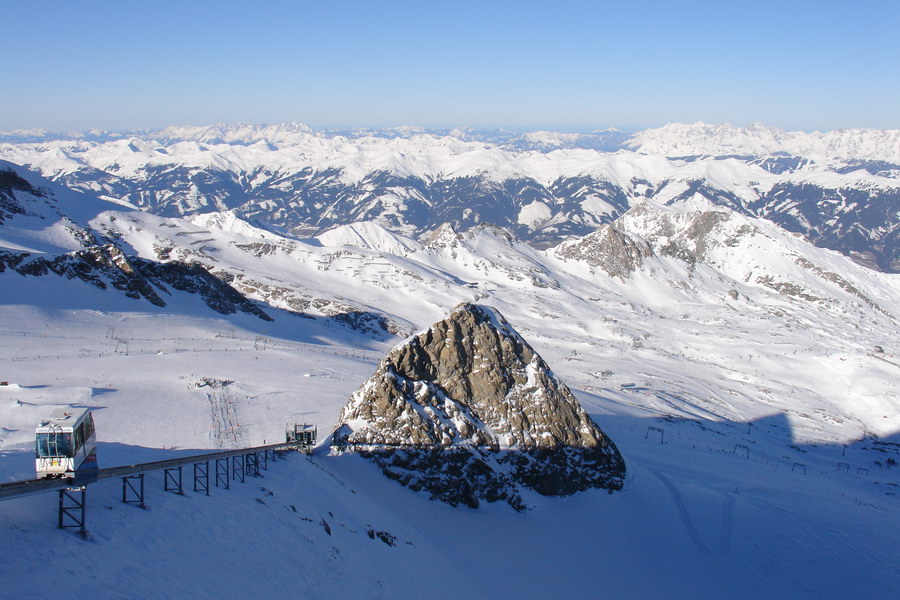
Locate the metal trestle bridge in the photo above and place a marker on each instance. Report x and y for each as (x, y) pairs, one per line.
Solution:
(227, 466)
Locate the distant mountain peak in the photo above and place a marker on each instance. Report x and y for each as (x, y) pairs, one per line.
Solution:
(704, 139)
(238, 133)
(368, 235)
(445, 236)
(616, 253)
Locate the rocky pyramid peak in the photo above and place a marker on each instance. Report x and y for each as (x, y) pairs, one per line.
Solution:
(442, 237)
(616, 253)
(467, 410)
(501, 233)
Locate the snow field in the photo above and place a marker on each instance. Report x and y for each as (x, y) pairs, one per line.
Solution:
(696, 518)
(769, 481)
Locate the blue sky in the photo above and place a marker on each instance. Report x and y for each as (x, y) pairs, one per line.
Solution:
(566, 65)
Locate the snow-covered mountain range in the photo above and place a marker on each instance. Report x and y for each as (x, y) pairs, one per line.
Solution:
(748, 377)
(840, 189)
(653, 262)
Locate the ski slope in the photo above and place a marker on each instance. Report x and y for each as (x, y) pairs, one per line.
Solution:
(699, 516)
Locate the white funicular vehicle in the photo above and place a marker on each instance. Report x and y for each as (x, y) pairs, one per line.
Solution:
(66, 446)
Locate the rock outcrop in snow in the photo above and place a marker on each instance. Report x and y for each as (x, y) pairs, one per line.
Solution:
(743, 249)
(11, 183)
(468, 411)
(95, 256)
(614, 252)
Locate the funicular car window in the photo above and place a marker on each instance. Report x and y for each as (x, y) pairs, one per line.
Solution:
(54, 444)
(79, 437)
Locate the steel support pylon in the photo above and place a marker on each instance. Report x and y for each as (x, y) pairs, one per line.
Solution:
(173, 483)
(222, 478)
(136, 493)
(238, 467)
(72, 505)
(201, 477)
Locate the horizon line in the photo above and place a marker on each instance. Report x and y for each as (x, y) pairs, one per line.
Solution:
(425, 129)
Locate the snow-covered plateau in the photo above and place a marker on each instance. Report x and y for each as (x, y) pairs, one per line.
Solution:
(748, 377)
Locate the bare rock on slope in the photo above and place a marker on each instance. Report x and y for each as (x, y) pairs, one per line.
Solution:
(468, 411)
(618, 254)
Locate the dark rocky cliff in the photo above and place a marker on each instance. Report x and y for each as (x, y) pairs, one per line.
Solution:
(468, 411)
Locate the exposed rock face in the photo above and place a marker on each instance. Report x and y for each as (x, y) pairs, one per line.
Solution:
(468, 410)
(99, 259)
(10, 183)
(688, 236)
(616, 253)
(107, 266)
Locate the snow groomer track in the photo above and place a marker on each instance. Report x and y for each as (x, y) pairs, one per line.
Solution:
(227, 466)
